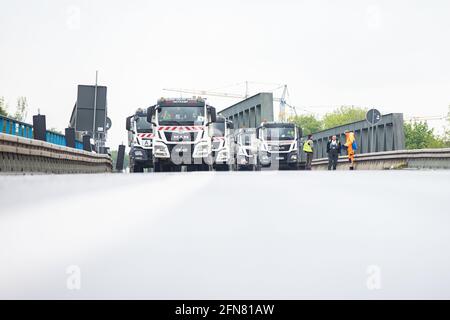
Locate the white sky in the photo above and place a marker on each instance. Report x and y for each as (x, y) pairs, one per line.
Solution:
(394, 55)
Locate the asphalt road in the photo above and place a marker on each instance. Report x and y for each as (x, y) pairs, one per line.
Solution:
(253, 235)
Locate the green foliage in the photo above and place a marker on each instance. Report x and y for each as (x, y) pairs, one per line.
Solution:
(54, 130)
(419, 136)
(21, 109)
(308, 123)
(446, 137)
(3, 107)
(343, 115)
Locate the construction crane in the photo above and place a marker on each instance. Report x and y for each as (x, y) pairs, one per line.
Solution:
(424, 118)
(282, 100)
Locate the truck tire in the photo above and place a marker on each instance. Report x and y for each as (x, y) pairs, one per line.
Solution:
(156, 166)
(199, 167)
(136, 168)
(222, 167)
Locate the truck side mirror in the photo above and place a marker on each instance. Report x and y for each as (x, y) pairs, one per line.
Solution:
(213, 113)
(128, 125)
(231, 125)
(150, 114)
(257, 133)
(300, 132)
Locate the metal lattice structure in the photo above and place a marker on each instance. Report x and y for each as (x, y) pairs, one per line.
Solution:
(388, 135)
(251, 112)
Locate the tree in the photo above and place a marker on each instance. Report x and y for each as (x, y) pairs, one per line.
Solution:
(447, 130)
(308, 123)
(3, 107)
(21, 109)
(54, 130)
(419, 136)
(343, 115)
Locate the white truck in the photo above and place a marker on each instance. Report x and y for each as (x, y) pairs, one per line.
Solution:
(279, 145)
(246, 151)
(181, 136)
(221, 133)
(140, 141)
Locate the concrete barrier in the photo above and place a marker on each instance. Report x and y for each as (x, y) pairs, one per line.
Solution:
(402, 159)
(23, 155)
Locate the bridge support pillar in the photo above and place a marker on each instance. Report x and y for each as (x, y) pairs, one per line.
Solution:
(87, 143)
(120, 158)
(39, 128)
(70, 137)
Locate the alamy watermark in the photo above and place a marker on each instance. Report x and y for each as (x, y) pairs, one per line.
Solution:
(73, 281)
(373, 281)
(73, 21)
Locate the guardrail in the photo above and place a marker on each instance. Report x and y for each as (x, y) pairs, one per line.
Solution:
(401, 159)
(24, 155)
(25, 130)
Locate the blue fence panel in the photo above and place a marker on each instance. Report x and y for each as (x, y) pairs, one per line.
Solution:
(55, 138)
(79, 145)
(17, 128)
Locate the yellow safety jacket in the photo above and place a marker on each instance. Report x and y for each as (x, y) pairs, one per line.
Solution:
(307, 146)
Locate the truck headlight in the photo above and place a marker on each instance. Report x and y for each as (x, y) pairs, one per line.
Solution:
(201, 150)
(138, 153)
(265, 159)
(222, 156)
(161, 151)
(242, 161)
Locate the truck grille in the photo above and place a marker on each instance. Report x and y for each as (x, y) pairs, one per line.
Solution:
(280, 148)
(181, 137)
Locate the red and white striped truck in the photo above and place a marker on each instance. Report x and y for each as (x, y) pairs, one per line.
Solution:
(140, 141)
(221, 133)
(181, 135)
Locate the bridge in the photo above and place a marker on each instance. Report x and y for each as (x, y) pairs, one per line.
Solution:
(218, 235)
(240, 235)
(20, 152)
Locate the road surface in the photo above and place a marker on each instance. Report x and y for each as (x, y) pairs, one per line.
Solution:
(253, 235)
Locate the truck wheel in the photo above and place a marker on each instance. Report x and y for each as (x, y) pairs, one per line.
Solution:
(137, 168)
(204, 167)
(222, 167)
(257, 165)
(157, 167)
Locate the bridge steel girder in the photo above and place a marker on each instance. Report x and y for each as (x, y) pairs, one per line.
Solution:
(388, 136)
(251, 112)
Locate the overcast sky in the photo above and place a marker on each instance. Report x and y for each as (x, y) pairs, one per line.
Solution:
(394, 55)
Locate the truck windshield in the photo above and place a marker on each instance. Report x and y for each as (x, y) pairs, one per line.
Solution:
(143, 126)
(217, 129)
(246, 140)
(181, 115)
(276, 134)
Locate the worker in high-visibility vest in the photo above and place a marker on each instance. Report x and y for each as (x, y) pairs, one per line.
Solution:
(308, 148)
(350, 144)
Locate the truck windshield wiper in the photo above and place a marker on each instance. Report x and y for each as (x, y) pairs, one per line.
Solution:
(170, 122)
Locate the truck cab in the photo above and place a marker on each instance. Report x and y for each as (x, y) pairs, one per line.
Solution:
(140, 141)
(246, 152)
(181, 134)
(279, 145)
(222, 139)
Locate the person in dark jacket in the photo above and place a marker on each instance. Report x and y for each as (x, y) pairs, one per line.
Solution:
(333, 150)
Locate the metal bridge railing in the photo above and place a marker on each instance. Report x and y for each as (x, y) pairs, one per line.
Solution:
(15, 128)
(25, 130)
